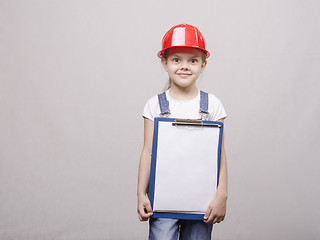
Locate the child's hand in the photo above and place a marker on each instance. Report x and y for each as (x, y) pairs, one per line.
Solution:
(216, 211)
(144, 208)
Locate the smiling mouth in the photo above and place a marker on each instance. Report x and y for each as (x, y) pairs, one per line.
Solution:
(184, 74)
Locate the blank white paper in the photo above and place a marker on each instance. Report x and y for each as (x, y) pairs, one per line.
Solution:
(186, 169)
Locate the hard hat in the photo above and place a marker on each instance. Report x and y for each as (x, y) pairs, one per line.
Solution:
(183, 35)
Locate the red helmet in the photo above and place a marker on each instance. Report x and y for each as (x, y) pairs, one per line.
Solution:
(183, 35)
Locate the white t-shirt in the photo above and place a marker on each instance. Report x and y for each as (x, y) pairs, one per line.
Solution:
(188, 109)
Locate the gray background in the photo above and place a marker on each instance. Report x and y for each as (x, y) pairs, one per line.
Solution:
(75, 76)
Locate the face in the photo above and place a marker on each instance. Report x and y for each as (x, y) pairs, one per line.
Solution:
(184, 65)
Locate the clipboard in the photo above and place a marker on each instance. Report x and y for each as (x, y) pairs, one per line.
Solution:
(185, 164)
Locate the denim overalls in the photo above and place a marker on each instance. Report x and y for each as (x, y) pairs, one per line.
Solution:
(203, 110)
(172, 229)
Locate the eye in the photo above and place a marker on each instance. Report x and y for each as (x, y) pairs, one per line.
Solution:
(176, 60)
(194, 60)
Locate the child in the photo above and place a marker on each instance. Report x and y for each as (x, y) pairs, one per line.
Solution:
(183, 57)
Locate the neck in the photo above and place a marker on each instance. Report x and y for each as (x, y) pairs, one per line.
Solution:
(183, 93)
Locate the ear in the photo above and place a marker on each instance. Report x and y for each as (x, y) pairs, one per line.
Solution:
(204, 64)
(164, 64)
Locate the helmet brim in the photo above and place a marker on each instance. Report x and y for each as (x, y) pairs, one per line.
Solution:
(160, 53)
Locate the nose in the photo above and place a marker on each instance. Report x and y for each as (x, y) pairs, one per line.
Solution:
(184, 65)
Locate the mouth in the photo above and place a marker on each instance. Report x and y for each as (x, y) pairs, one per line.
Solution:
(184, 74)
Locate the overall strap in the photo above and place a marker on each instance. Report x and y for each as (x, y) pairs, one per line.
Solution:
(204, 103)
(164, 104)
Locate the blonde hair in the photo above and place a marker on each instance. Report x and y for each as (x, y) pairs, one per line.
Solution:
(166, 55)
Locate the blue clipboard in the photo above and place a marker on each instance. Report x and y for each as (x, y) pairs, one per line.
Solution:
(172, 165)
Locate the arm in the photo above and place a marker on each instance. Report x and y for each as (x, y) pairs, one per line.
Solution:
(144, 207)
(217, 209)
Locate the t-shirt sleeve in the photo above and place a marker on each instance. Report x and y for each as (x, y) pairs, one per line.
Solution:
(216, 108)
(151, 108)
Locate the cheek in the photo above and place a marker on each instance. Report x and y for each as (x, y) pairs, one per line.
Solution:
(171, 68)
(197, 69)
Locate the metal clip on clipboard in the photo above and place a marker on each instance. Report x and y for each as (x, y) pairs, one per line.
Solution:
(193, 123)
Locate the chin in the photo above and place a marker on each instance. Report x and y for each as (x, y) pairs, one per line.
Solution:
(184, 85)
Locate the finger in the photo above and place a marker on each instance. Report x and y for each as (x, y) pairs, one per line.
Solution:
(207, 214)
(215, 220)
(142, 218)
(211, 217)
(220, 219)
(149, 209)
(142, 213)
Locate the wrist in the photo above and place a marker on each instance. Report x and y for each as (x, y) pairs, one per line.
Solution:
(222, 195)
(141, 194)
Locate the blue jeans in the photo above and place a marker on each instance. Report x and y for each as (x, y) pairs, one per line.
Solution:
(169, 229)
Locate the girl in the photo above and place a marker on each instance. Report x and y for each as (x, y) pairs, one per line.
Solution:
(183, 57)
